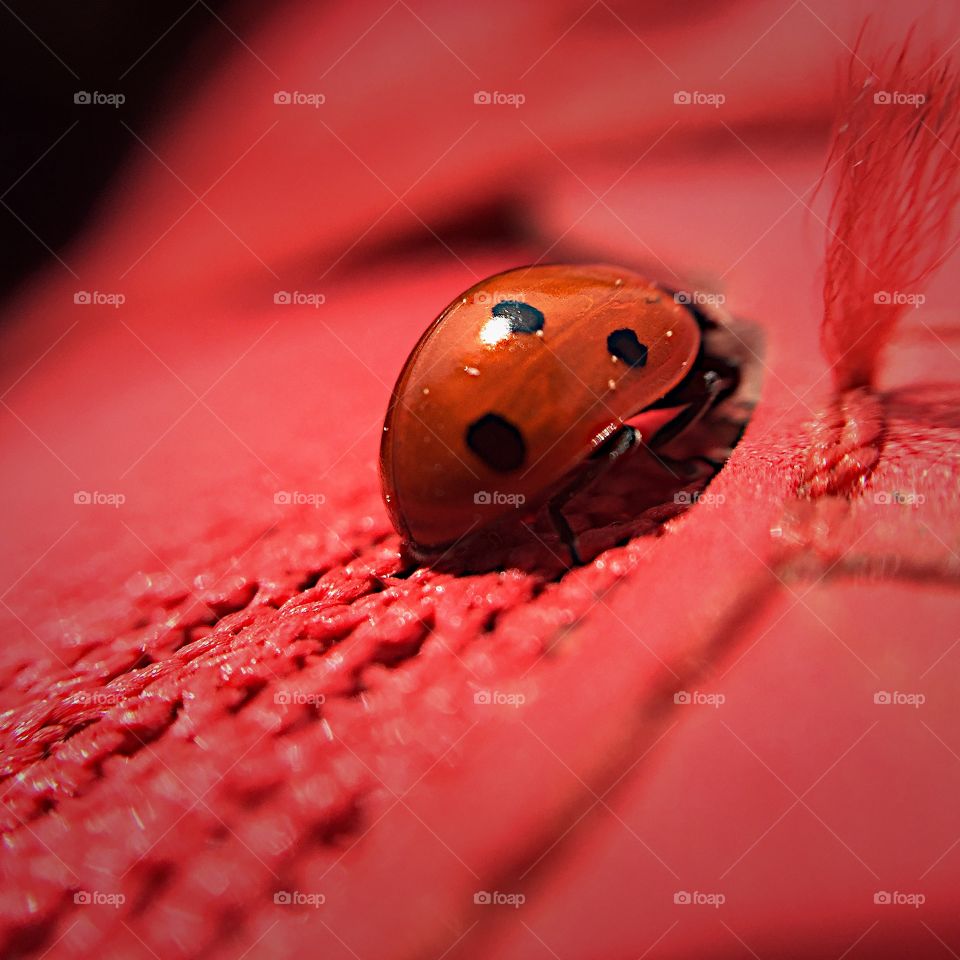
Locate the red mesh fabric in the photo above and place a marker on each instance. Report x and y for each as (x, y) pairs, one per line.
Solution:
(211, 697)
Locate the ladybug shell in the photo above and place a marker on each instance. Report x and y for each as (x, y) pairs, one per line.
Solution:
(517, 382)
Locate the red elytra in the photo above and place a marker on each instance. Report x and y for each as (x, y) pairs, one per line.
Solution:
(520, 380)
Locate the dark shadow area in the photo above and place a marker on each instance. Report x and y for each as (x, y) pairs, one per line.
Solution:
(58, 155)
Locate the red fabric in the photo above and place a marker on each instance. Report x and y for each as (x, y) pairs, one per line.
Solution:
(163, 737)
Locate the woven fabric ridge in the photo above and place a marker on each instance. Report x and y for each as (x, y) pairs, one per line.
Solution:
(267, 717)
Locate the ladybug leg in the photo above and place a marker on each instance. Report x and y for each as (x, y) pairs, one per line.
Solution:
(562, 527)
(615, 446)
(694, 411)
(711, 381)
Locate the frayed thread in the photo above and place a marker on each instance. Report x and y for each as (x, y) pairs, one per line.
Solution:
(895, 157)
(845, 445)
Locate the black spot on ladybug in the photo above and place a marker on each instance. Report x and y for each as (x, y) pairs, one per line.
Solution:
(497, 442)
(624, 345)
(523, 318)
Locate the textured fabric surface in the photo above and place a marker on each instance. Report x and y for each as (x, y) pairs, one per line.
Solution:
(231, 685)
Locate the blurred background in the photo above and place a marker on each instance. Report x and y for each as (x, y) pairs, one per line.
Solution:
(70, 154)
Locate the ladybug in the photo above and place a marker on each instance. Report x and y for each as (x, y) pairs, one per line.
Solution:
(525, 378)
